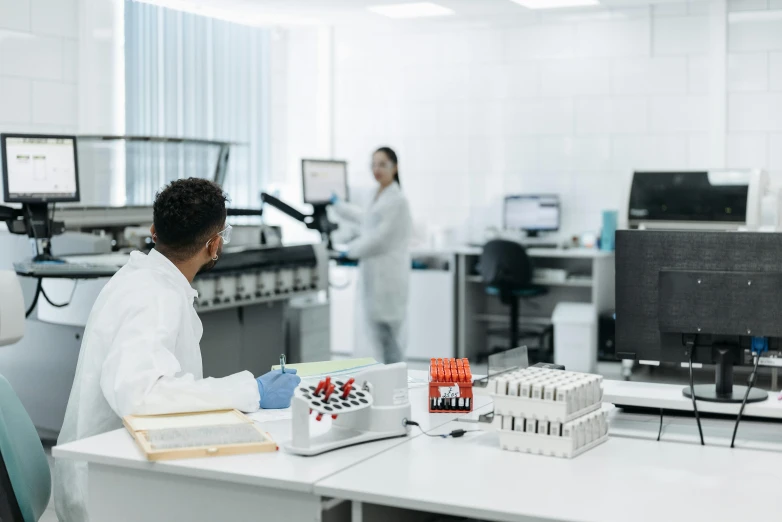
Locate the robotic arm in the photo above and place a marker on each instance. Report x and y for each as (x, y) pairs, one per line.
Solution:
(319, 219)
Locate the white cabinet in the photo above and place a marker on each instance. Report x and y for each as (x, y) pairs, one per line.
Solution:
(430, 315)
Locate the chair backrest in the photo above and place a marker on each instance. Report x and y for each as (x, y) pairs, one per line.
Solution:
(23, 456)
(505, 265)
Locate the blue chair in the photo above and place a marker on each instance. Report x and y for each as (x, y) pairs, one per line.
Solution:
(25, 478)
(507, 272)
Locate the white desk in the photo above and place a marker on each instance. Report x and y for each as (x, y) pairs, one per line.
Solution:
(621, 480)
(670, 397)
(478, 314)
(630, 477)
(123, 485)
(624, 479)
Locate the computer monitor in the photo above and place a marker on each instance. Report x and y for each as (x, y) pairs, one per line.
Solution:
(532, 213)
(323, 178)
(39, 169)
(704, 294)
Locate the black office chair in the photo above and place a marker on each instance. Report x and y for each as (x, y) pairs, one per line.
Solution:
(507, 272)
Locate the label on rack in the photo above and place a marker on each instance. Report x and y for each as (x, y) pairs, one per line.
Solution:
(450, 392)
(400, 396)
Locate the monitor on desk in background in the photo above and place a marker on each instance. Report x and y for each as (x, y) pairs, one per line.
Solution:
(39, 169)
(705, 293)
(532, 213)
(323, 178)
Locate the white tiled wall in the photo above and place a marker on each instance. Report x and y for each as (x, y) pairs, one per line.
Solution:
(755, 86)
(38, 65)
(570, 104)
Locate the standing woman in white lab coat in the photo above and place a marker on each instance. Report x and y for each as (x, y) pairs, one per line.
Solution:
(382, 248)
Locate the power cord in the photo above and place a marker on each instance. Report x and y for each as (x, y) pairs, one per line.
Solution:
(56, 305)
(660, 430)
(750, 384)
(35, 234)
(38, 289)
(691, 346)
(455, 433)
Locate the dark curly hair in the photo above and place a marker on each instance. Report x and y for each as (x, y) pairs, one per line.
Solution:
(187, 213)
(391, 155)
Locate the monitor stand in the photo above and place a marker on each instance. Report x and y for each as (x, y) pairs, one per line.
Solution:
(724, 390)
(36, 216)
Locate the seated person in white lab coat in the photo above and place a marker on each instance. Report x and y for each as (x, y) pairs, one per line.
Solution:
(140, 354)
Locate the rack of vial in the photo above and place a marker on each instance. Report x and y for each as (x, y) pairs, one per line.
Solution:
(450, 385)
(542, 393)
(556, 439)
(548, 412)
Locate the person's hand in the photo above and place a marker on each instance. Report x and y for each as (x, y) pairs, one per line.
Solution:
(334, 198)
(276, 388)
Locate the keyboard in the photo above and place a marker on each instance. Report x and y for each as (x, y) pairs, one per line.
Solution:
(532, 244)
(65, 270)
(539, 245)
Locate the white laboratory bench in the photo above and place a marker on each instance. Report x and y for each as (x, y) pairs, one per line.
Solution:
(124, 486)
(670, 397)
(623, 479)
(630, 477)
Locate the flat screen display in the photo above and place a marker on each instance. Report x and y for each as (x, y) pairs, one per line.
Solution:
(39, 169)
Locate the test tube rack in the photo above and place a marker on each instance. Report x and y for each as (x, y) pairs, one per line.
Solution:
(373, 405)
(554, 439)
(450, 386)
(549, 412)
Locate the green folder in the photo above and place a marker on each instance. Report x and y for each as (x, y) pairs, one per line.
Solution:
(332, 368)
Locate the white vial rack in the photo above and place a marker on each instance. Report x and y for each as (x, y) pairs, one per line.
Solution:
(568, 440)
(546, 395)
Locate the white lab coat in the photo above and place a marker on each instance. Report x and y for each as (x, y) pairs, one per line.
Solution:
(383, 250)
(140, 355)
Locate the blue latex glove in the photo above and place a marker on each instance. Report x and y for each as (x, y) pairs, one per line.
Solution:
(334, 199)
(276, 388)
(343, 254)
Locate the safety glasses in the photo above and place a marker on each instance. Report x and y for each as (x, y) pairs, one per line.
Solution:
(225, 234)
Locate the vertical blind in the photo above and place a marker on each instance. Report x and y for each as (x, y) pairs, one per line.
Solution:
(190, 76)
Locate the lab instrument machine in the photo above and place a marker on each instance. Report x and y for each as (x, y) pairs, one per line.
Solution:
(702, 200)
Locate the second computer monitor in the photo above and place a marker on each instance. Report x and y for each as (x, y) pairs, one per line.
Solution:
(321, 179)
(532, 213)
(39, 169)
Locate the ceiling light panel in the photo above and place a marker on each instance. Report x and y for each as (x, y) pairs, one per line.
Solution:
(555, 4)
(411, 10)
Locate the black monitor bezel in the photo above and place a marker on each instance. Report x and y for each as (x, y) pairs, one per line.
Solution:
(7, 195)
(304, 179)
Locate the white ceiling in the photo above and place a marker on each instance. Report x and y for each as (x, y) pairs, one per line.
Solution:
(345, 12)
